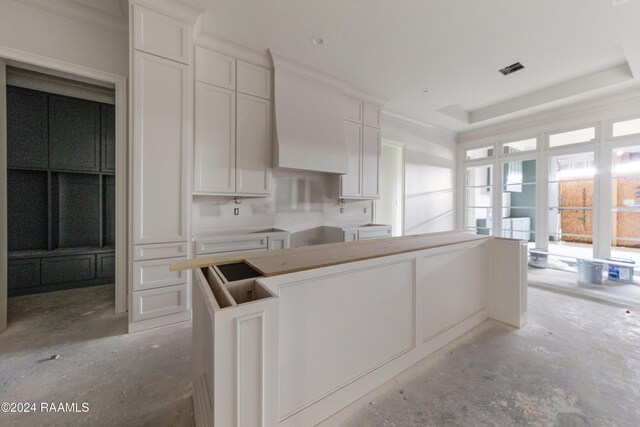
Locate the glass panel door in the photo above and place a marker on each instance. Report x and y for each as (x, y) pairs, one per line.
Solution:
(625, 203)
(570, 220)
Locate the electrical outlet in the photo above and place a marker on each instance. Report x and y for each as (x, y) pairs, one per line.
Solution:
(364, 210)
(341, 210)
(236, 211)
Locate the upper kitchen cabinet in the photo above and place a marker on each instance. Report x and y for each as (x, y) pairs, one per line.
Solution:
(27, 134)
(253, 145)
(74, 134)
(161, 35)
(215, 68)
(363, 112)
(232, 140)
(362, 136)
(254, 80)
(160, 149)
(215, 140)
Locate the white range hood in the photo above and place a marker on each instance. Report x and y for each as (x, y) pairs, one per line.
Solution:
(308, 114)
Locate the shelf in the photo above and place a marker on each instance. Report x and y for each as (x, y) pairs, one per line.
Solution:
(40, 253)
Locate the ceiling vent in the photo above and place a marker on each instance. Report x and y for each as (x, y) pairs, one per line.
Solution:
(511, 68)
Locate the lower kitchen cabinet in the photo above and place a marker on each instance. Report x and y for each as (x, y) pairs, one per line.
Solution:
(32, 272)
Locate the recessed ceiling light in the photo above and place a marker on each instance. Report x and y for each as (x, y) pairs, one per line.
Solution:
(619, 2)
(317, 40)
(425, 90)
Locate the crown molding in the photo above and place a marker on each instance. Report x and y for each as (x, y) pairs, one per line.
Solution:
(619, 99)
(227, 47)
(188, 12)
(366, 96)
(82, 12)
(399, 118)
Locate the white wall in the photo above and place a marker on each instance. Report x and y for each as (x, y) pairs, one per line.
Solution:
(429, 174)
(34, 30)
(301, 203)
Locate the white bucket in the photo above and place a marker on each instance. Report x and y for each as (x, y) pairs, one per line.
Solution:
(590, 272)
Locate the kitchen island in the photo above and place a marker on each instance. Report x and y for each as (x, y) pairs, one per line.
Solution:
(290, 337)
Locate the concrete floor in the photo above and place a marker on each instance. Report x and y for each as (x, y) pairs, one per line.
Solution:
(576, 363)
(140, 379)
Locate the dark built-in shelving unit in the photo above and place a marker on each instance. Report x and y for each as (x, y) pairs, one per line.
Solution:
(61, 192)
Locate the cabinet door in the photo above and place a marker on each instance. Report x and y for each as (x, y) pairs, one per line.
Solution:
(161, 35)
(74, 134)
(352, 109)
(215, 140)
(108, 140)
(371, 116)
(27, 128)
(160, 149)
(350, 184)
(215, 68)
(253, 145)
(254, 80)
(370, 161)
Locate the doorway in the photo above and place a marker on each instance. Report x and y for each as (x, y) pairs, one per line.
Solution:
(114, 183)
(389, 209)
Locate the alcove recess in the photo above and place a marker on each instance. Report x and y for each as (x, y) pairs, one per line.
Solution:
(61, 191)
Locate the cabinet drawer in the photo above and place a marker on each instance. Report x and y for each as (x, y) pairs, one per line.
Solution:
(105, 266)
(160, 250)
(375, 233)
(160, 302)
(253, 80)
(215, 245)
(215, 69)
(156, 274)
(23, 273)
(160, 35)
(68, 269)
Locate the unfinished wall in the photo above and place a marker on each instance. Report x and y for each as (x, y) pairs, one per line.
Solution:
(576, 194)
(429, 175)
(31, 29)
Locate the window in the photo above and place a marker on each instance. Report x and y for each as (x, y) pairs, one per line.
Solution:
(478, 199)
(572, 137)
(626, 127)
(479, 153)
(523, 145)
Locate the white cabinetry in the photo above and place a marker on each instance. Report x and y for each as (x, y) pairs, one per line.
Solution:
(161, 121)
(239, 241)
(232, 147)
(350, 233)
(362, 135)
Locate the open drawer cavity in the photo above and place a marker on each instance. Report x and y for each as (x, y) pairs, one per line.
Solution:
(235, 284)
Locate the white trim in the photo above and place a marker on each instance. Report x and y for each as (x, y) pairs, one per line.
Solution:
(402, 147)
(416, 123)
(227, 47)
(120, 85)
(4, 288)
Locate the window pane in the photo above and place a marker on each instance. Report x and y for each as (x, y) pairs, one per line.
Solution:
(518, 172)
(479, 153)
(479, 176)
(520, 146)
(626, 127)
(479, 197)
(572, 225)
(572, 137)
(478, 217)
(625, 229)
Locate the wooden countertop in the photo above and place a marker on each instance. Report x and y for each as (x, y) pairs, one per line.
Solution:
(285, 261)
